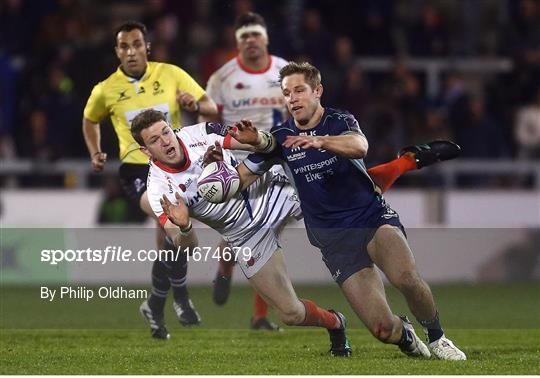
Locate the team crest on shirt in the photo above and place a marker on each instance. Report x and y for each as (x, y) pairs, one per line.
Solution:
(156, 85)
(241, 86)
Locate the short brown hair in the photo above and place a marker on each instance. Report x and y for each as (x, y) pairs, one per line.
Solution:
(129, 26)
(310, 72)
(249, 18)
(143, 121)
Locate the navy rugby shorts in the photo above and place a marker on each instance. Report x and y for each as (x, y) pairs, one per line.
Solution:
(344, 250)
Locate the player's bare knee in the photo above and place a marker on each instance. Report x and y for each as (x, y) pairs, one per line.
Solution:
(383, 331)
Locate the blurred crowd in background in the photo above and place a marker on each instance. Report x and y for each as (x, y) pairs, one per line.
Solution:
(53, 52)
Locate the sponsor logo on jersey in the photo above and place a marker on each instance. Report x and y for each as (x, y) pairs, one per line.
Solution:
(273, 84)
(316, 166)
(186, 185)
(319, 175)
(296, 156)
(198, 144)
(194, 200)
(257, 101)
(170, 185)
(141, 90)
(389, 213)
(253, 259)
(139, 185)
(122, 96)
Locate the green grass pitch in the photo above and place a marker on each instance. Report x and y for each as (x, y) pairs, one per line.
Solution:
(498, 326)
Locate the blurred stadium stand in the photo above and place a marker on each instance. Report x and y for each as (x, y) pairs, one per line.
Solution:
(410, 71)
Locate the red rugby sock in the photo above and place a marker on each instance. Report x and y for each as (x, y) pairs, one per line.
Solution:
(385, 175)
(260, 309)
(319, 317)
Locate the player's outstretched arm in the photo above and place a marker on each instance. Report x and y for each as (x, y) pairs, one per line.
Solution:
(92, 137)
(350, 146)
(245, 136)
(178, 226)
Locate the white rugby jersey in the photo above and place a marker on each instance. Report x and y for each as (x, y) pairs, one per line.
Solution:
(241, 92)
(265, 204)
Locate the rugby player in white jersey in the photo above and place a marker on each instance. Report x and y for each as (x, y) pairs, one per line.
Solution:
(247, 87)
(251, 220)
(136, 85)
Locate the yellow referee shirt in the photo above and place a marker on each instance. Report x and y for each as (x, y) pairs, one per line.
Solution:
(122, 98)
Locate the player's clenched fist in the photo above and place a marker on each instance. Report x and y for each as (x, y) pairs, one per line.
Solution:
(186, 101)
(98, 161)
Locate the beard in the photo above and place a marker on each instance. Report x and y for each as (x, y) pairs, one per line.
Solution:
(303, 122)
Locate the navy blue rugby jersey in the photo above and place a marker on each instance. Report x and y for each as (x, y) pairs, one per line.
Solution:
(334, 191)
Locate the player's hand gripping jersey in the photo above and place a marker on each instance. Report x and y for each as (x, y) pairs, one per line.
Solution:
(123, 97)
(250, 219)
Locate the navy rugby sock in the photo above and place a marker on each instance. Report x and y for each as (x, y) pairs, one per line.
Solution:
(433, 327)
(177, 271)
(406, 338)
(178, 278)
(160, 287)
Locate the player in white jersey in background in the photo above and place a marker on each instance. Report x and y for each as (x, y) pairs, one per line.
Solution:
(247, 87)
(251, 220)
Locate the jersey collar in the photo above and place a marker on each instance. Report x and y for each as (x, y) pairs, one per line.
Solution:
(168, 169)
(130, 79)
(250, 71)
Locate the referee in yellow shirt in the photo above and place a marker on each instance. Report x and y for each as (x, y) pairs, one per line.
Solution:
(139, 84)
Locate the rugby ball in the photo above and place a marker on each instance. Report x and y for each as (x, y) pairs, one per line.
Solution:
(218, 182)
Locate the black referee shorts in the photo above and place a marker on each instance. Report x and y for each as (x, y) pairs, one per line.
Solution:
(133, 180)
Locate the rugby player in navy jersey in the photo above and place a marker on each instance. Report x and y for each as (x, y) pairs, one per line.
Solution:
(345, 215)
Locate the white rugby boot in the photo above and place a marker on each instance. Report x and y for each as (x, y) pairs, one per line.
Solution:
(416, 348)
(445, 349)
